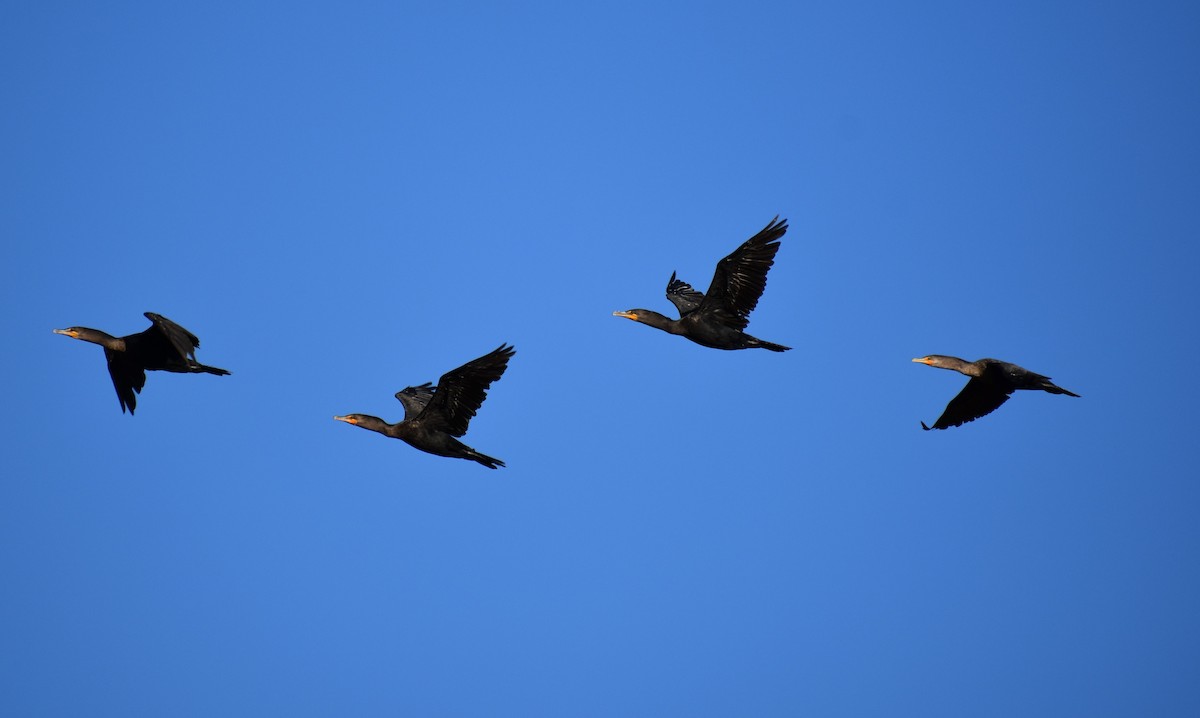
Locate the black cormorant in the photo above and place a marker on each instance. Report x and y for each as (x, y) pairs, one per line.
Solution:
(992, 382)
(718, 319)
(435, 416)
(165, 346)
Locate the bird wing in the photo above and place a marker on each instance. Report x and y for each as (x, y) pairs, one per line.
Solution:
(979, 397)
(181, 339)
(741, 277)
(460, 392)
(414, 399)
(128, 378)
(683, 296)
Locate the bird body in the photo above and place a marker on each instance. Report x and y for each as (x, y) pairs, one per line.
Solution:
(421, 435)
(435, 416)
(718, 318)
(165, 346)
(700, 330)
(992, 383)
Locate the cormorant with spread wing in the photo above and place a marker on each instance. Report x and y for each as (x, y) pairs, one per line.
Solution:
(165, 346)
(719, 317)
(992, 382)
(435, 416)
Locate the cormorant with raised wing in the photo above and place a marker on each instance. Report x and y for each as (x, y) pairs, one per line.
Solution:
(165, 346)
(719, 317)
(435, 416)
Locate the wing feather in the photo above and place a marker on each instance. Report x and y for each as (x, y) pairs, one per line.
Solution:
(741, 277)
(979, 397)
(182, 341)
(415, 399)
(681, 294)
(460, 392)
(128, 378)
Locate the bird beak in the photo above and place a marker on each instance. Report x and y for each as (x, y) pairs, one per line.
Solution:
(924, 360)
(67, 332)
(627, 315)
(346, 419)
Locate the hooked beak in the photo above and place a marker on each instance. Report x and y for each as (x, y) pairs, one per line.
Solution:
(924, 360)
(627, 315)
(68, 333)
(347, 419)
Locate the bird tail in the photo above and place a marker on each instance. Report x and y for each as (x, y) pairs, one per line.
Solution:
(772, 347)
(199, 368)
(1055, 389)
(485, 459)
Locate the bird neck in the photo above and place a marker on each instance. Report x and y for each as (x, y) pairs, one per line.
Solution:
(658, 321)
(962, 366)
(373, 423)
(104, 339)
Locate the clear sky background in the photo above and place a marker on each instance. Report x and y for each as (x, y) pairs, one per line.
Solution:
(344, 199)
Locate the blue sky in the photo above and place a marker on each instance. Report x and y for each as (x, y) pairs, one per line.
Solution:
(345, 199)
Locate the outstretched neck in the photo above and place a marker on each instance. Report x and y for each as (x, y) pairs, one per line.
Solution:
(95, 336)
(656, 320)
(962, 366)
(365, 421)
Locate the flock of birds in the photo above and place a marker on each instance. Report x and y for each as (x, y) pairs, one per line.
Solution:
(435, 417)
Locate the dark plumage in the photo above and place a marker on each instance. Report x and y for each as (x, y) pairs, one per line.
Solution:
(992, 382)
(165, 346)
(435, 416)
(718, 319)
